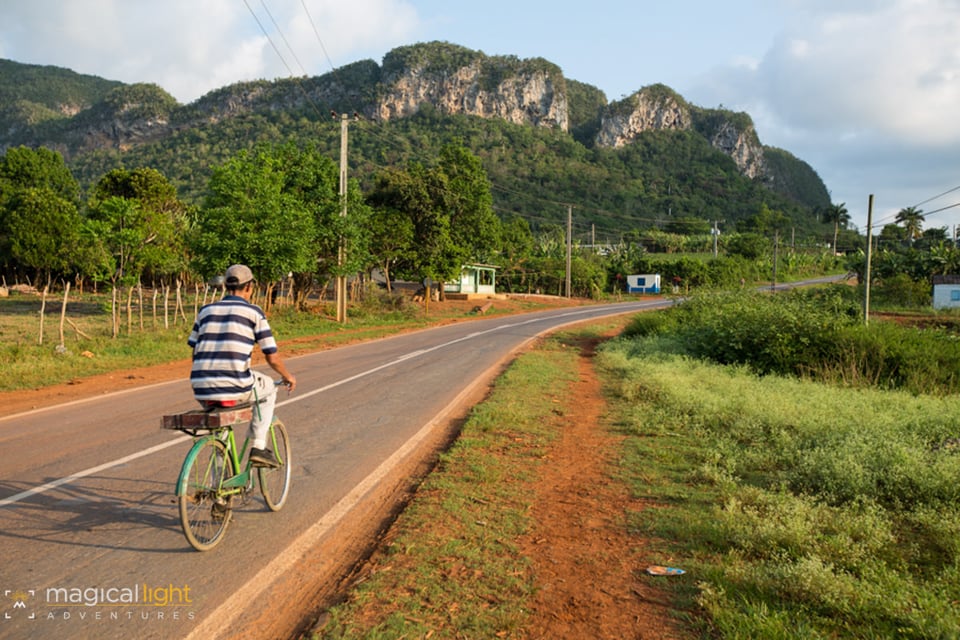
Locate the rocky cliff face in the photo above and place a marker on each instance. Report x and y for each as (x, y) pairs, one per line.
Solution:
(525, 98)
(743, 147)
(658, 107)
(648, 109)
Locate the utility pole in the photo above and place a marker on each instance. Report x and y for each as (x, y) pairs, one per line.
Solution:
(569, 243)
(776, 244)
(716, 236)
(866, 283)
(341, 251)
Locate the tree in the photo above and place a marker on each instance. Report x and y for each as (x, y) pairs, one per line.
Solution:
(419, 194)
(163, 216)
(474, 227)
(840, 217)
(766, 221)
(44, 230)
(911, 219)
(748, 245)
(516, 247)
(391, 239)
(23, 169)
(251, 217)
(118, 223)
(314, 180)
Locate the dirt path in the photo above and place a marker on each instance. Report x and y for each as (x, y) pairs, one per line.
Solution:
(588, 569)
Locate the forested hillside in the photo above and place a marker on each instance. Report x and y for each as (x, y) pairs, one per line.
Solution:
(537, 167)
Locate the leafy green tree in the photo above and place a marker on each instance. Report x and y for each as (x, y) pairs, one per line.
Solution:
(163, 216)
(911, 219)
(891, 235)
(251, 217)
(314, 180)
(391, 240)
(766, 221)
(120, 225)
(516, 248)
(474, 227)
(44, 230)
(22, 170)
(748, 245)
(420, 194)
(687, 226)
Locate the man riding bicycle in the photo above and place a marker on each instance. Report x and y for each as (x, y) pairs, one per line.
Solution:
(223, 339)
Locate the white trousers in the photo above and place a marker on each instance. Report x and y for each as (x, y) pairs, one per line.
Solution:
(264, 391)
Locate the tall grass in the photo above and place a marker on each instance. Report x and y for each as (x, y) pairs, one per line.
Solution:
(801, 509)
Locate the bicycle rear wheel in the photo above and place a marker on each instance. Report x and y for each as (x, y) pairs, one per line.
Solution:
(204, 513)
(275, 482)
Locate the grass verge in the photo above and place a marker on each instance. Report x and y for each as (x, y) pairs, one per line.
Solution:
(452, 567)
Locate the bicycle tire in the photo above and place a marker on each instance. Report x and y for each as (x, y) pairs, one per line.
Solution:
(204, 515)
(275, 482)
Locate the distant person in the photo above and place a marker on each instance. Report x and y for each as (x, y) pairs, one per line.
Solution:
(222, 340)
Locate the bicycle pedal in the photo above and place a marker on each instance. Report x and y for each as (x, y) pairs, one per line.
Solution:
(219, 510)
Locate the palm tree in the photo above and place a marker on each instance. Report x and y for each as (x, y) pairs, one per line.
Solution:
(912, 220)
(839, 216)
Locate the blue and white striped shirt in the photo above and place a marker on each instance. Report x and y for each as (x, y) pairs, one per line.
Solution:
(222, 339)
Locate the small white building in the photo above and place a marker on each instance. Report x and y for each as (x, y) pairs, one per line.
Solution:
(475, 279)
(644, 283)
(946, 292)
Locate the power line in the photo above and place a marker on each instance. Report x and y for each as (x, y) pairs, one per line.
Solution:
(280, 55)
(936, 197)
(316, 32)
(280, 31)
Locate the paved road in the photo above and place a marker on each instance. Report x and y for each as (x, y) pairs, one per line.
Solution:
(92, 546)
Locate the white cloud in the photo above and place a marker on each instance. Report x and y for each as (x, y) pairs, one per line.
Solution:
(190, 48)
(865, 91)
(891, 70)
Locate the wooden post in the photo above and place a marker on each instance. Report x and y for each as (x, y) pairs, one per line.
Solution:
(43, 307)
(63, 310)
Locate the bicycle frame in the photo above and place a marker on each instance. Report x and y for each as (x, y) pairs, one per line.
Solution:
(239, 480)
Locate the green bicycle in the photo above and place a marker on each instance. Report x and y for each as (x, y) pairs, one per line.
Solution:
(212, 478)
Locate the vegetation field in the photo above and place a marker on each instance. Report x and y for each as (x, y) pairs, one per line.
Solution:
(800, 503)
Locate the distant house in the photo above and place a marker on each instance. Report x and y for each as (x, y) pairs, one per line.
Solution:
(475, 280)
(946, 292)
(643, 283)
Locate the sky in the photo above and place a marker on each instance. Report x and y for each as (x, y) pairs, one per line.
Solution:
(867, 92)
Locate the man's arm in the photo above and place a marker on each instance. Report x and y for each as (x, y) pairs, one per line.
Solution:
(276, 363)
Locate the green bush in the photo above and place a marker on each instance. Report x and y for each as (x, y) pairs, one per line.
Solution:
(815, 334)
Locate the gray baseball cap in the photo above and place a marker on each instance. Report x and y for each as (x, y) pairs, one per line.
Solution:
(238, 274)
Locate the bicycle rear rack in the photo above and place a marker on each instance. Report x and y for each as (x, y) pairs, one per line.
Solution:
(198, 420)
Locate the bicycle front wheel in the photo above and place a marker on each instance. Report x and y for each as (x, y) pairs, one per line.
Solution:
(275, 482)
(204, 512)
